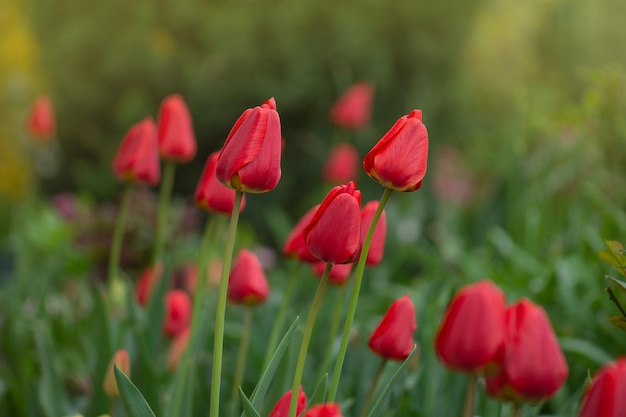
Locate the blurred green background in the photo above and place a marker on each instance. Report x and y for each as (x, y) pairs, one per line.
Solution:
(525, 103)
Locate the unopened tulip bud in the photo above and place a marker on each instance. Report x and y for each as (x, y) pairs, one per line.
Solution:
(393, 337)
(137, 158)
(41, 123)
(398, 161)
(377, 245)
(606, 397)
(247, 283)
(177, 141)
(342, 164)
(109, 385)
(149, 279)
(353, 109)
(295, 246)
(177, 312)
(281, 409)
(211, 194)
(250, 158)
(324, 410)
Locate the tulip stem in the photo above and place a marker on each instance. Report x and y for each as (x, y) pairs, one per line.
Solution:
(118, 236)
(218, 344)
(165, 196)
(370, 393)
(308, 330)
(280, 318)
(468, 408)
(355, 296)
(333, 327)
(241, 358)
(517, 410)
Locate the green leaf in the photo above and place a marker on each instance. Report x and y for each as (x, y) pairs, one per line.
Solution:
(614, 256)
(134, 403)
(615, 246)
(620, 284)
(379, 401)
(585, 348)
(258, 394)
(619, 321)
(319, 395)
(48, 389)
(248, 408)
(181, 402)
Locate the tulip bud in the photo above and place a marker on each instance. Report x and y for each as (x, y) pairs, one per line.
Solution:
(377, 245)
(398, 161)
(149, 278)
(471, 335)
(334, 233)
(353, 109)
(324, 410)
(211, 194)
(250, 158)
(177, 141)
(532, 367)
(342, 164)
(177, 349)
(338, 275)
(295, 246)
(393, 338)
(109, 385)
(247, 283)
(605, 397)
(41, 123)
(177, 312)
(281, 409)
(137, 158)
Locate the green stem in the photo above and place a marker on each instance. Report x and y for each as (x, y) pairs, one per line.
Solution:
(517, 410)
(116, 244)
(241, 358)
(280, 318)
(165, 196)
(308, 330)
(468, 408)
(218, 344)
(334, 326)
(370, 393)
(355, 296)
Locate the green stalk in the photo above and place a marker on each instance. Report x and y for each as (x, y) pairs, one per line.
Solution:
(165, 197)
(308, 330)
(517, 410)
(218, 345)
(468, 409)
(241, 358)
(370, 392)
(280, 318)
(116, 244)
(355, 296)
(334, 326)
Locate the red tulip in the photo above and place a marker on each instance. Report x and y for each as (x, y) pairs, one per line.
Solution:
(41, 123)
(211, 194)
(334, 233)
(342, 164)
(177, 141)
(338, 275)
(324, 410)
(606, 396)
(137, 158)
(377, 246)
(295, 246)
(149, 278)
(354, 107)
(471, 335)
(247, 283)
(250, 158)
(177, 312)
(393, 338)
(178, 348)
(533, 367)
(109, 385)
(281, 409)
(398, 161)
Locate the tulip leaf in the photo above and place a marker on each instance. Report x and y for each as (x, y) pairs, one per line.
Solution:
(258, 394)
(248, 408)
(319, 395)
(614, 256)
(379, 400)
(585, 348)
(49, 392)
(619, 321)
(620, 284)
(134, 403)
